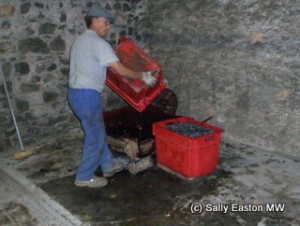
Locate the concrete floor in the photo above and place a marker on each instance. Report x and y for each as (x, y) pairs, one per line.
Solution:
(39, 190)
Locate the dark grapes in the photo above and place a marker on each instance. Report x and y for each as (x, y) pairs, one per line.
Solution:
(188, 129)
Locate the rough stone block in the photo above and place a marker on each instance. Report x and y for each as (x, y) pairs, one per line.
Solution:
(33, 45)
(49, 96)
(22, 68)
(24, 8)
(22, 105)
(47, 28)
(58, 44)
(6, 10)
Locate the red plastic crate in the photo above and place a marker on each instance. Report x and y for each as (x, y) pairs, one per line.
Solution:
(135, 92)
(187, 157)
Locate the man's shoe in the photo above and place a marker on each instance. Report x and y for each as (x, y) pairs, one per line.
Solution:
(118, 166)
(96, 182)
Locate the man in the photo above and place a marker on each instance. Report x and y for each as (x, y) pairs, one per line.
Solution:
(90, 56)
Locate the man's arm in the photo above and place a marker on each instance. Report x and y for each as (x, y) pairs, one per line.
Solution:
(146, 77)
(125, 71)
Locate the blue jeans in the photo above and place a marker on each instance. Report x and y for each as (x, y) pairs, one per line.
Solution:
(87, 106)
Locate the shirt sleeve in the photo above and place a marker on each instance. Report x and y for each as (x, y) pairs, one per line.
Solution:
(107, 54)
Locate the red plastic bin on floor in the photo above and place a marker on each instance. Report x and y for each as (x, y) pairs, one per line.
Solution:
(135, 92)
(186, 157)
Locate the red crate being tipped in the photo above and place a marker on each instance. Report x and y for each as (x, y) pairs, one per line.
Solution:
(135, 92)
(186, 157)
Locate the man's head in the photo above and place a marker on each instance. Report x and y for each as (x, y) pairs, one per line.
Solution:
(99, 19)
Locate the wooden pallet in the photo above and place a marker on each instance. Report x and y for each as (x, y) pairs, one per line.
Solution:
(174, 172)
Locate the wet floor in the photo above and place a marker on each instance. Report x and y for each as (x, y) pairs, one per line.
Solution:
(151, 198)
(245, 177)
(148, 195)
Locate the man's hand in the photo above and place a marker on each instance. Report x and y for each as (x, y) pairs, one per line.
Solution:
(149, 79)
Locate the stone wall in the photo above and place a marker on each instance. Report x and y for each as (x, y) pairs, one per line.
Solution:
(236, 60)
(35, 38)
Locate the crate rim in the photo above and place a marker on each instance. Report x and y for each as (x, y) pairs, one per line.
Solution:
(162, 124)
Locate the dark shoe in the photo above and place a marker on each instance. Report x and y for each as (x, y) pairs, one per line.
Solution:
(96, 182)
